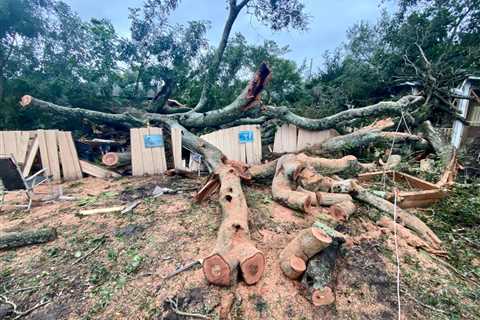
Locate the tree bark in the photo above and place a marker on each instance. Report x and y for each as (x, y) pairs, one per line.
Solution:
(444, 150)
(343, 210)
(283, 187)
(305, 245)
(405, 218)
(233, 249)
(24, 238)
(381, 108)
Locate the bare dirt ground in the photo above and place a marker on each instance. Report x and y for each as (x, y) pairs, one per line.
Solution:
(125, 258)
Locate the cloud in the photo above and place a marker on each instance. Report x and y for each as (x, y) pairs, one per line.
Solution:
(327, 30)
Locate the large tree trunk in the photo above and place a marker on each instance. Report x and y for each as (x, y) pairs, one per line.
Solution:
(24, 238)
(234, 249)
(214, 65)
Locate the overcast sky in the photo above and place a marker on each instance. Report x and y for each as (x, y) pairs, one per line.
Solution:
(330, 20)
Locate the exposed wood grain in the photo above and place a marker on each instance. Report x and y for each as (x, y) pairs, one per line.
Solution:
(137, 155)
(32, 153)
(96, 171)
(176, 135)
(52, 149)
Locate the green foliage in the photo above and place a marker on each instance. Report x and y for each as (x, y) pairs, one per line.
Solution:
(48, 51)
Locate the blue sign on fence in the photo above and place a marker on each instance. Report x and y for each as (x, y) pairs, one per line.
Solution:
(153, 141)
(245, 136)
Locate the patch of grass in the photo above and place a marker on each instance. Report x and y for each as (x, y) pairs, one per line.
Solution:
(261, 306)
(134, 262)
(98, 273)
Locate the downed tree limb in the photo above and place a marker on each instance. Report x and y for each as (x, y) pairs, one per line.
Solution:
(342, 210)
(410, 238)
(24, 238)
(263, 172)
(381, 108)
(247, 99)
(351, 142)
(283, 191)
(326, 166)
(329, 198)
(305, 245)
(234, 250)
(405, 218)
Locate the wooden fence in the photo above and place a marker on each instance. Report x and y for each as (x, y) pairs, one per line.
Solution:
(289, 138)
(148, 152)
(242, 143)
(57, 152)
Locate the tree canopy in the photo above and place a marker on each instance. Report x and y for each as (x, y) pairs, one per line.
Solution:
(48, 51)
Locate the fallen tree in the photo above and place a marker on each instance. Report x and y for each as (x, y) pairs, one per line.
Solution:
(298, 180)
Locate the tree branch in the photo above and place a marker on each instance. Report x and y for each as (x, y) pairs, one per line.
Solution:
(381, 108)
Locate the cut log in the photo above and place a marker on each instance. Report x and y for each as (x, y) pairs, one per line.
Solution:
(306, 244)
(116, 159)
(24, 238)
(310, 180)
(405, 218)
(343, 210)
(318, 282)
(263, 172)
(234, 250)
(328, 198)
(282, 189)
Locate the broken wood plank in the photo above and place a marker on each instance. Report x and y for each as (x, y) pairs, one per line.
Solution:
(74, 154)
(32, 153)
(176, 135)
(66, 157)
(137, 155)
(91, 212)
(413, 181)
(97, 171)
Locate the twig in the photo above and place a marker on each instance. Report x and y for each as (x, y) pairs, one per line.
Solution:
(423, 304)
(456, 271)
(174, 306)
(38, 305)
(20, 314)
(88, 253)
(183, 268)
